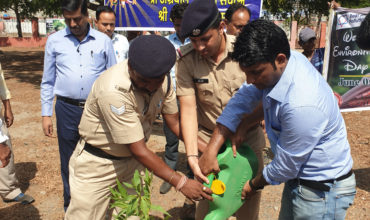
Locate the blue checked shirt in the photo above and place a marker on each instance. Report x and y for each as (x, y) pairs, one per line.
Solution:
(71, 66)
(174, 39)
(305, 128)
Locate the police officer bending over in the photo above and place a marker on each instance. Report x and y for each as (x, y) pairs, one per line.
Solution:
(116, 123)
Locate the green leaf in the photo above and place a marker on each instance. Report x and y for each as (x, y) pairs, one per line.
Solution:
(136, 181)
(160, 209)
(128, 185)
(144, 208)
(121, 190)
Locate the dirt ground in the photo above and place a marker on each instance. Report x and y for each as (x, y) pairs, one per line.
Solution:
(37, 158)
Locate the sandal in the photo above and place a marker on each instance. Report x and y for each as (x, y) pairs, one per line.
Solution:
(22, 198)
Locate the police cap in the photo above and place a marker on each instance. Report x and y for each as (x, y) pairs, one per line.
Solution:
(198, 17)
(151, 56)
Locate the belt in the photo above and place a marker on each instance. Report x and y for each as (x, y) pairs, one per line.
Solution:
(100, 153)
(76, 102)
(320, 185)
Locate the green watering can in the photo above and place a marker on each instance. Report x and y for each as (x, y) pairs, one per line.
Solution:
(228, 184)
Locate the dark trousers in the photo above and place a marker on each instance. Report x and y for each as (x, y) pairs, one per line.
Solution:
(172, 147)
(171, 154)
(68, 118)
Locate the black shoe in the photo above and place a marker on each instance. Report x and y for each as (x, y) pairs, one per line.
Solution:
(165, 188)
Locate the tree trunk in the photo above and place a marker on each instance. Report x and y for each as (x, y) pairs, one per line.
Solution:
(18, 16)
(318, 23)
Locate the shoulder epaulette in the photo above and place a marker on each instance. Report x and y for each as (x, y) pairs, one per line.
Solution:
(184, 50)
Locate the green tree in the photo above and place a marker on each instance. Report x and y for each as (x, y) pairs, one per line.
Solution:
(28, 8)
(355, 3)
(297, 10)
(302, 11)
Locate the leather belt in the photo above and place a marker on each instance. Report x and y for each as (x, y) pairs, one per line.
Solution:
(320, 185)
(100, 153)
(76, 102)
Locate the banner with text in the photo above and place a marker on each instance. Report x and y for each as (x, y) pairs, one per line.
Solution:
(347, 67)
(155, 14)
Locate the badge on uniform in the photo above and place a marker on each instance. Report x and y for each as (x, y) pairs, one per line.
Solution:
(200, 80)
(118, 111)
(196, 32)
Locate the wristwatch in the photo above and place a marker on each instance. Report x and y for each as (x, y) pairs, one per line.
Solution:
(255, 188)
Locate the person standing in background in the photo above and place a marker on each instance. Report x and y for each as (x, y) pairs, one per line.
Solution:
(74, 58)
(363, 36)
(236, 17)
(307, 40)
(9, 191)
(106, 22)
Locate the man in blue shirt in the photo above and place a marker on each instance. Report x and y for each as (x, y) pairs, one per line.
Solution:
(306, 130)
(74, 58)
(172, 142)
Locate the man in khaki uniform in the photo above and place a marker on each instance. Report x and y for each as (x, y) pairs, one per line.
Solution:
(206, 79)
(116, 123)
(9, 191)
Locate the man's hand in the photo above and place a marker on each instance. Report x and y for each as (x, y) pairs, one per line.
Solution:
(208, 163)
(47, 126)
(249, 121)
(196, 191)
(247, 190)
(5, 155)
(193, 163)
(334, 5)
(258, 183)
(237, 139)
(8, 114)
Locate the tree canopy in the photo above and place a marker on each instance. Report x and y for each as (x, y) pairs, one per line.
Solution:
(28, 8)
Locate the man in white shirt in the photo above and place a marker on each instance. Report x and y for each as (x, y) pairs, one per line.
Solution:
(105, 22)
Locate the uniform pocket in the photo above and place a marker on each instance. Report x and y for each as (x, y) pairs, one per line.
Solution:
(205, 92)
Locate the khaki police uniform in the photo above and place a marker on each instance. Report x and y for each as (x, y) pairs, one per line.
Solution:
(8, 180)
(214, 84)
(115, 115)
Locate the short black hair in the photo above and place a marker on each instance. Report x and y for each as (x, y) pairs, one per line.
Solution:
(177, 11)
(233, 8)
(73, 5)
(363, 35)
(260, 41)
(102, 9)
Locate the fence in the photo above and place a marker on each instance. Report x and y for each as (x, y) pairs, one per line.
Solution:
(10, 27)
(8, 30)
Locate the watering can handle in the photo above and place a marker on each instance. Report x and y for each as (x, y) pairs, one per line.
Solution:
(210, 177)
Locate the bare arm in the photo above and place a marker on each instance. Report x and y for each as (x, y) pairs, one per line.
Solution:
(208, 161)
(248, 122)
(172, 121)
(192, 189)
(8, 114)
(189, 128)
